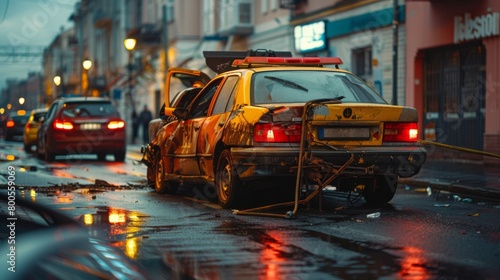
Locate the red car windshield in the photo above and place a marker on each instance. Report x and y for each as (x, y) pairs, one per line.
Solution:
(89, 109)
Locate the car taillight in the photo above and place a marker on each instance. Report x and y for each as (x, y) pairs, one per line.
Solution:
(277, 133)
(64, 125)
(400, 132)
(10, 123)
(116, 124)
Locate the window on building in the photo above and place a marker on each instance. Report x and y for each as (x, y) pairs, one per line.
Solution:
(274, 5)
(362, 63)
(245, 12)
(263, 6)
(209, 17)
(170, 11)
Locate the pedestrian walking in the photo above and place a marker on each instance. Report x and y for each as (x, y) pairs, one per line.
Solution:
(145, 117)
(135, 126)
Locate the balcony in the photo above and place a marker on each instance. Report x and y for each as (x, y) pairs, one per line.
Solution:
(237, 18)
(146, 35)
(102, 19)
(292, 4)
(98, 83)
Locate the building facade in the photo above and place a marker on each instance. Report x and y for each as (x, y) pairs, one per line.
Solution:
(452, 61)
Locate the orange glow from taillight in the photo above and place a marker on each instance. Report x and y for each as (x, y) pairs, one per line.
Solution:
(10, 123)
(59, 124)
(277, 133)
(116, 217)
(400, 132)
(116, 124)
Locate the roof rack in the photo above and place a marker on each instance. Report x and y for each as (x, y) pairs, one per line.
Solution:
(222, 61)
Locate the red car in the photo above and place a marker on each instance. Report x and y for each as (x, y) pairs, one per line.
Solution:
(80, 125)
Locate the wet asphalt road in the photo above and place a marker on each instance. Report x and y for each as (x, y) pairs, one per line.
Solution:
(419, 235)
(189, 237)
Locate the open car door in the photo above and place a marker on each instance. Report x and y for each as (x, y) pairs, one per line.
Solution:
(179, 79)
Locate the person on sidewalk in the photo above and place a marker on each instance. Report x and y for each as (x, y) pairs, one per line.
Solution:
(145, 117)
(135, 126)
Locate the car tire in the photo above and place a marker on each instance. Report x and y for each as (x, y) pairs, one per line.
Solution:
(227, 183)
(160, 184)
(39, 154)
(150, 172)
(120, 156)
(382, 191)
(101, 157)
(49, 157)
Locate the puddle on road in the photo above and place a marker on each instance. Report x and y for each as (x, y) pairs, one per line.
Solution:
(122, 228)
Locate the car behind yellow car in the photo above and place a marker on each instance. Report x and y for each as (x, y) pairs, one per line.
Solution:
(31, 128)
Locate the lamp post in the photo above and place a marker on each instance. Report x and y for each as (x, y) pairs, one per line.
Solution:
(57, 81)
(129, 44)
(87, 64)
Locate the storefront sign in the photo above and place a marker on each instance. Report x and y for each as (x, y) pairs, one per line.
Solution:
(310, 37)
(467, 28)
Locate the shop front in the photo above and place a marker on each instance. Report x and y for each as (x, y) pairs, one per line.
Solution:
(453, 74)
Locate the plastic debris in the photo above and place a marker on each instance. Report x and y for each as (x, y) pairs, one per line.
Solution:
(373, 215)
(467, 200)
(457, 198)
(429, 191)
(473, 214)
(441, 205)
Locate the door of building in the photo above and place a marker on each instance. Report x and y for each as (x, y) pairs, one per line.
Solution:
(454, 95)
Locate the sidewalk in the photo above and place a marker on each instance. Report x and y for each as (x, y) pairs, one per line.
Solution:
(458, 177)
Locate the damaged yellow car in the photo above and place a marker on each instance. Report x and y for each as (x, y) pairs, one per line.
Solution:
(262, 117)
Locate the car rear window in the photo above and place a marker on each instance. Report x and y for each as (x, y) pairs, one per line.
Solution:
(20, 119)
(301, 86)
(89, 109)
(38, 116)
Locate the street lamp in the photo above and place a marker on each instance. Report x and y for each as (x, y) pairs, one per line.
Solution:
(57, 80)
(129, 44)
(21, 100)
(87, 64)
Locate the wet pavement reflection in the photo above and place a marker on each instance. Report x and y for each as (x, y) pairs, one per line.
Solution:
(200, 242)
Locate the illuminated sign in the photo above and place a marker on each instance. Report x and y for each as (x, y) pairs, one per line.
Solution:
(468, 28)
(310, 37)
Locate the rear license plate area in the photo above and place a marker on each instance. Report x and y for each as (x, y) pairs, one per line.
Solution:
(344, 133)
(90, 126)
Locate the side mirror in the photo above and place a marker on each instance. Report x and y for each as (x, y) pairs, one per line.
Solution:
(181, 113)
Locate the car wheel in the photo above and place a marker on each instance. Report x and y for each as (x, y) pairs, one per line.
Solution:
(382, 191)
(150, 172)
(228, 185)
(49, 157)
(101, 157)
(39, 153)
(120, 156)
(161, 185)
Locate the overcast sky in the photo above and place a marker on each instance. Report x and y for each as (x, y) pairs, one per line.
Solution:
(30, 23)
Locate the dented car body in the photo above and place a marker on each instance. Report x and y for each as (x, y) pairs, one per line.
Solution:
(246, 127)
